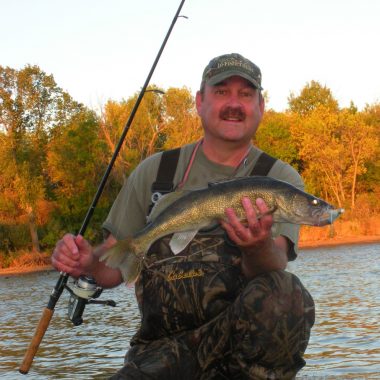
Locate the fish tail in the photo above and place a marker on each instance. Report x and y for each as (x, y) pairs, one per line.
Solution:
(125, 257)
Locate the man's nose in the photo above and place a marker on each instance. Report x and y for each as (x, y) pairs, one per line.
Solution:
(234, 100)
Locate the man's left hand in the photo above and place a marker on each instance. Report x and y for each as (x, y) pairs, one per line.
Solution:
(260, 252)
(257, 229)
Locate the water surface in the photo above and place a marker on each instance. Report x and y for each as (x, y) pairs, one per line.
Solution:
(345, 342)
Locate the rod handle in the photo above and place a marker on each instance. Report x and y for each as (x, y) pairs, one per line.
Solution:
(36, 340)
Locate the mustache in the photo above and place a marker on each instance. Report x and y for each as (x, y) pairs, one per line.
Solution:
(232, 113)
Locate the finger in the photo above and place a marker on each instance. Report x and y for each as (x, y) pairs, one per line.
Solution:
(252, 219)
(266, 215)
(82, 243)
(235, 229)
(231, 216)
(60, 266)
(232, 234)
(261, 206)
(69, 240)
(63, 255)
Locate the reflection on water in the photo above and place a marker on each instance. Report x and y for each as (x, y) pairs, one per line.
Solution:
(344, 282)
(90, 351)
(345, 342)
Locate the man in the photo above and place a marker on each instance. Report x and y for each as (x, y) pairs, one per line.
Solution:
(224, 308)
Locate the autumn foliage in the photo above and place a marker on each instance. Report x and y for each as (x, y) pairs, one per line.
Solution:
(54, 151)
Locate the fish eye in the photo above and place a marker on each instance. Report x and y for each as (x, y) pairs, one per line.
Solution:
(314, 202)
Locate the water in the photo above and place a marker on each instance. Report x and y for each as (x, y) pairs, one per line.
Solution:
(345, 342)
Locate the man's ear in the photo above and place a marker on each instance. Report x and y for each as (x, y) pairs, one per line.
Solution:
(198, 101)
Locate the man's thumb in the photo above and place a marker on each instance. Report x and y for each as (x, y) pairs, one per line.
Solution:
(82, 243)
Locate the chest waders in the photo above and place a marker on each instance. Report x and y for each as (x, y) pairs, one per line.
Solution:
(202, 319)
(181, 292)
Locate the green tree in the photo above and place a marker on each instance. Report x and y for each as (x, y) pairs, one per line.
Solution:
(311, 97)
(275, 138)
(336, 148)
(76, 162)
(361, 145)
(181, 122)
(143, 137)
(321, 149)
(31, 106)
(161, 122)
(369, 180)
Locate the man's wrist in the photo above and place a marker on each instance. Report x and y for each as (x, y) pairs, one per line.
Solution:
(263, 258)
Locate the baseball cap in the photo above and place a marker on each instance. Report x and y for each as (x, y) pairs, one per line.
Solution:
(227, 65)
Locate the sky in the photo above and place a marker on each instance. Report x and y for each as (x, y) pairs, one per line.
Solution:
(104, 49)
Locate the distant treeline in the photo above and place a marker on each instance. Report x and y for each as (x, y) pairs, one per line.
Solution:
(54, 151)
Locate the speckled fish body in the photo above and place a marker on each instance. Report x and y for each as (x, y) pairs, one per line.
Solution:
(185, 213)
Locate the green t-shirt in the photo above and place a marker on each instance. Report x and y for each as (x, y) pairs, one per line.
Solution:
(129, 211)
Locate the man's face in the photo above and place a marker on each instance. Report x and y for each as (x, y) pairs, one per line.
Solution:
(230, 111)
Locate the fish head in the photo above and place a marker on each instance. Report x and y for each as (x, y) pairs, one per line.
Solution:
(310, 210)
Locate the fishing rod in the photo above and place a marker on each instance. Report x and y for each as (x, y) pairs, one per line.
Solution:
(85, 289)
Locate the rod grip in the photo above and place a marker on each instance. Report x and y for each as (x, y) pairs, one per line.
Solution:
(36, 340)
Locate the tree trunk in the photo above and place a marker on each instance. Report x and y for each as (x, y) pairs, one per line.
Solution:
(33, 232)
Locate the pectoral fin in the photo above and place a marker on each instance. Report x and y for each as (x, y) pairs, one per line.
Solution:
(180, 240)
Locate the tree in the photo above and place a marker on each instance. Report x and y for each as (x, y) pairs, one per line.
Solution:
(182, 124)
(143, 137)
(371, 178)
(76, 163)
(320, 148)
(161, 122)
(31, 106)
(361, 145)
(312, 96)
(275, 138)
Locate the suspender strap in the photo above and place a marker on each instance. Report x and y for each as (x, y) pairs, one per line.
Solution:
(263, 165)
(166, 171)
(168, 164)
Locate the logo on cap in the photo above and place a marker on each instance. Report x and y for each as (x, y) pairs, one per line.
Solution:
(227, 65)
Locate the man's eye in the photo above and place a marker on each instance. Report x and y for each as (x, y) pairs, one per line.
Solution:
(247, 94)
(220, 92)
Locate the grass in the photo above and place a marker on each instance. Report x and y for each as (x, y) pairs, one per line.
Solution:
(24, 259)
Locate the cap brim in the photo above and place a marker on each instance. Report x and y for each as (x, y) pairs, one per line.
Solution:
(229, 73)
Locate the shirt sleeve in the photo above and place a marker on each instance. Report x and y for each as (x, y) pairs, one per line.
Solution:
(129, 210)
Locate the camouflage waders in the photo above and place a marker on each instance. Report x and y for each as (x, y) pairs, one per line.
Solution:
(201, 319)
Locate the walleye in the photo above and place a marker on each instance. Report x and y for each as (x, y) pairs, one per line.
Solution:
(184, 213)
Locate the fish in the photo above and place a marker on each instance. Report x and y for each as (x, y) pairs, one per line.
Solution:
(184, 213)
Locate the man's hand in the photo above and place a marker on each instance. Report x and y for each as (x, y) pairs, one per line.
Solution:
(73, 255)
(260, 252)
(256, 232)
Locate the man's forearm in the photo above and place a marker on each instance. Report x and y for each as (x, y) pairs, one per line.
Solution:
(104, 276)
(272, 255)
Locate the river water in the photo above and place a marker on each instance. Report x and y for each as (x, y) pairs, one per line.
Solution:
(345, 341)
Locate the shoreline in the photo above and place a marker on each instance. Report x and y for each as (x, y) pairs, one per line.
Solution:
(303, 245)
(338, 241)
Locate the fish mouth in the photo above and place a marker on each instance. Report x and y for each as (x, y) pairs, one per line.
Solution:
(329, 216)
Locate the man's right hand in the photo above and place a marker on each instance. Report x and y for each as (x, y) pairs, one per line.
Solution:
(73, 255)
